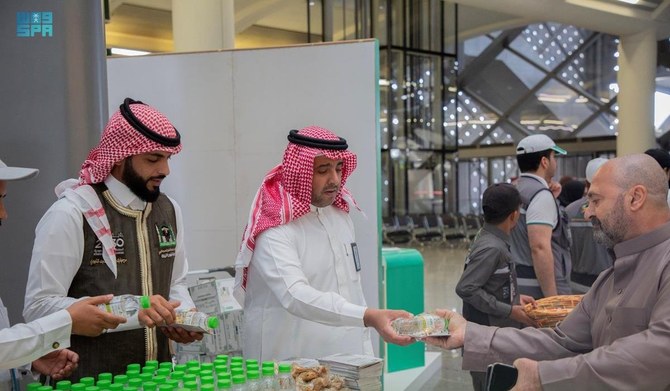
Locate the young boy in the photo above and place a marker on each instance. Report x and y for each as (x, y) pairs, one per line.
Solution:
(488, 285)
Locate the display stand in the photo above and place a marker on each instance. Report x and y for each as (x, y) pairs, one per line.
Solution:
(415, 378)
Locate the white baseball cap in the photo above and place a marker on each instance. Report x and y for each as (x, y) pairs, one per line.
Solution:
(16, 173)
(592, 166)
(538, 143)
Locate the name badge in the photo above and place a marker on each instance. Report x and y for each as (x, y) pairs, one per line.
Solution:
(357, 260)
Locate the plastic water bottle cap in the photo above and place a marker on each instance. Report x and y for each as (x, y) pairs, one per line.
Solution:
(284, 368)
(212, 322)
(145, 303)
(33, 386)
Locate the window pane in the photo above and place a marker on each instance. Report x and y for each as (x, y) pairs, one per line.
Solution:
(472, 181)
(472, 48)
(397, 23)
(424, 101)
(387, 184)
(504, 81)
(394, 103)
(424, 176)
(396, 166)
(548, 44)
(449, 17)
(594, 69)
(555, 110)
(315, 22)
(604, 125)
(381, 30)
(449, 110)
(474, 120)
(450, 184)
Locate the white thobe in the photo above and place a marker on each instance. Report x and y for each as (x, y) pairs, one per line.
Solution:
(304, 296)
(26, 342)
(59, 249)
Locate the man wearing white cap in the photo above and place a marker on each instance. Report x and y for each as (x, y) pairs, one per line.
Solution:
(541, 238)
(588, 257)
(41, 343)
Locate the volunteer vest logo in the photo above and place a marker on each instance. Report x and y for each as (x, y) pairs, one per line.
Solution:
(119, 249)
(34, 24)
(166, 240)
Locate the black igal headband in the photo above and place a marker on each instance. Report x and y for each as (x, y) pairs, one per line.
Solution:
(299, 139)
(140, 127)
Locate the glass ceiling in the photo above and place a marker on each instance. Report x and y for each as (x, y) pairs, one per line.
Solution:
(550, 78)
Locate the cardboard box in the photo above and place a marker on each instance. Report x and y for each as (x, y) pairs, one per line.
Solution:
(228, 336)
(215, 296)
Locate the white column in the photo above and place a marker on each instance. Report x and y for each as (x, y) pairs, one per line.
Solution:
(203, 25)
(637, 83)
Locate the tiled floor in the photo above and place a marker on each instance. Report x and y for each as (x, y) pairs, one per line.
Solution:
(442, 269)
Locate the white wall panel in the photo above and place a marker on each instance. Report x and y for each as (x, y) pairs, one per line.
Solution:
(234, 110)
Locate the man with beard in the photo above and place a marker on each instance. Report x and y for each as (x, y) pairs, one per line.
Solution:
(617, 338)
(298, 270)
(103, 236)
(588, 257)
(663, 158)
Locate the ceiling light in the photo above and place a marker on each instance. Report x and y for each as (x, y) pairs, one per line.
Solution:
(128, 52)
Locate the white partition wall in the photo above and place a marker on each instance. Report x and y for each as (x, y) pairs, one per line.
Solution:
(234, 110)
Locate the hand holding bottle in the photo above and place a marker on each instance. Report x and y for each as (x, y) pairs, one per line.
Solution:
(381, 321)
(181, 335)
(89, 320)
(189, 326)
(161, 313)
(457, 326)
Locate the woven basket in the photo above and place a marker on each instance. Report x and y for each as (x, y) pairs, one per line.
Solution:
(553, 309)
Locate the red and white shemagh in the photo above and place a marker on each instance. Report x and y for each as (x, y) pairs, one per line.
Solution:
(286, 194)
(119, 141)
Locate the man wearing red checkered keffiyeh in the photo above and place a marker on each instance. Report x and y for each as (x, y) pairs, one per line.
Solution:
(113, 231)
(298, 269)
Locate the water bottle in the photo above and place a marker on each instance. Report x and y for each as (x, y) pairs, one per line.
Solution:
(121, 379)
(196, 319)
(239, 383)
(284, 379)
(269, 382)
(421, 325)
(149, 386)
(88, 381)
(253, 380)
(223, 384)
(126, 305)
(179, 377)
